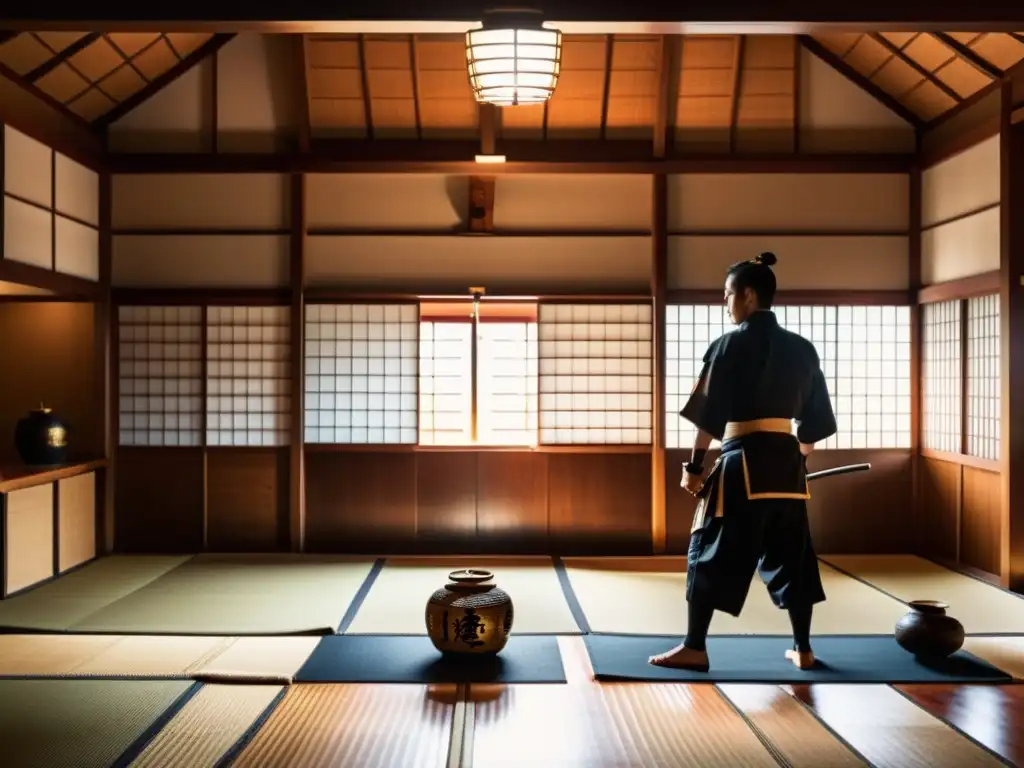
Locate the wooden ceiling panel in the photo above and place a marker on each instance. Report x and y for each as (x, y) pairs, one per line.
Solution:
(632, 86)
(962, 77)
(62, 83)
(447, 108)
(928, 100)
(927, 73)
(91, 74)
(769, 52)
(897, 77)
(707, 83)
(24, 53)
(96, 61)
(1000, 49)
(764, 117)
(185, 43)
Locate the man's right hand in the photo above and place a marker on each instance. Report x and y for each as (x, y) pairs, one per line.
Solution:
(692, 483)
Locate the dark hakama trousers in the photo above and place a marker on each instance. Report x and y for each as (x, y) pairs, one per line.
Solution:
(752, 517)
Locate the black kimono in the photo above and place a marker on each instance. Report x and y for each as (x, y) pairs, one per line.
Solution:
(752, 514)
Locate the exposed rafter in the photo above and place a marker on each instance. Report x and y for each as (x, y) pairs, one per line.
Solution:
(302, 122)
(896, 51)
(860, 81)
(970, 57)
(737, 85)
(48, 66)
(209, 48)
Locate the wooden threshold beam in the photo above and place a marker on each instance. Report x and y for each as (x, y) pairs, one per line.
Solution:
(540, 158)
(859, 80)
(452, 17)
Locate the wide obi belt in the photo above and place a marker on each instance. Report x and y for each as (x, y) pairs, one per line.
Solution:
(761, 460)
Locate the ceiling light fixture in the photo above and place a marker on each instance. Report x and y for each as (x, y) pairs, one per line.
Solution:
(513, 60)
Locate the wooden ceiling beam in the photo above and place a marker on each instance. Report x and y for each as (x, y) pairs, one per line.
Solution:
(860, 81)
(668, 89)
(414, 64)
(1014, 73)
(537, 157)
(365, 80)
(896, 51)
(970, 57)
(308, 15)
(59, 58)
(207, 49)
(609, 52)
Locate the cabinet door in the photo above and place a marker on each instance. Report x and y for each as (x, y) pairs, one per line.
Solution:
(76, 515)
(28, 546)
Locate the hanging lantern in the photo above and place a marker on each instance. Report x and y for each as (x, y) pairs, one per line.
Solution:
(513, 60)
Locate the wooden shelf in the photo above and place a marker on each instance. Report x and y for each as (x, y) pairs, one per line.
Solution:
(14, 477)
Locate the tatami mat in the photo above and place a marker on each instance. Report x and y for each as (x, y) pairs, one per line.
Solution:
(207, 726)
(239, 595)
(259, 657)
(1006, 653)
(397, 601)
(79, 723)
(71, 598)
(647, 596)
(982, 608)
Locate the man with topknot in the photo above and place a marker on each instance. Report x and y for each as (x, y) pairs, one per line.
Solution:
(757, 382)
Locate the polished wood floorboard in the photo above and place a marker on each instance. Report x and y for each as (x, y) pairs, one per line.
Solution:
(990, 714)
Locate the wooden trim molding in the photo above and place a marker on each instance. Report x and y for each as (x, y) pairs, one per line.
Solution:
(964, 288)
(799, 298)
(18, 477)
(988, 465)
(659, 283)
(613, 448)
(455, 158)
(62, 286)
(182, 297)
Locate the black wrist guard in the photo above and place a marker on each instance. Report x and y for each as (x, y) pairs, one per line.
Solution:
(693, 469)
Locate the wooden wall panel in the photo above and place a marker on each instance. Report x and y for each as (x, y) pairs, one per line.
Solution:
(600, 502)
(980, 522)
(27, 168)
(200, 261)
(213, 200)
(864, 513)
(246, 499)
(392, 201)
(512, 501)
(425, 264)
(780, 202)
(46, 349)
(489, 501)
(360, 501)
(159, 500)
(963, 247)
(573, 202)
(807, 262)
(838, 116)
(938, 519)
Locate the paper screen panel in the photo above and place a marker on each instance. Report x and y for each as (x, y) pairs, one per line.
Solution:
(248, 397)
(507, 397)
(446, 383)
(942, 367)
(983, 377)
(595, 373)
(864, 354)
(361, 367)
(160, 371)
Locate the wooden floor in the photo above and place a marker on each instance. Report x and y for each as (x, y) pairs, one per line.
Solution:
(592, 725)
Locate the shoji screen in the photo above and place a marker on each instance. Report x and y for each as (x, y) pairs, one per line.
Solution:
(248, 395)
(942, 367)
(983, 377)
(160, 363)
(362, 362)
(595, 373)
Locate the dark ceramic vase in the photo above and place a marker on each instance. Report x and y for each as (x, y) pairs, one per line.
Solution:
(41, 438)
(927, 632)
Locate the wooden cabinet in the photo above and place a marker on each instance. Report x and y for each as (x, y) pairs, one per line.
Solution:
(48, 526)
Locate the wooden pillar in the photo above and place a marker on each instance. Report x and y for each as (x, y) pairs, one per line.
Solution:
(106, 381)
(296, 474)
(659, 279)
(916, 351)
(1011, 316)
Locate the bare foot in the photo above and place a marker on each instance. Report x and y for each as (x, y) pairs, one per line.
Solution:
(802, 659)
(682, 657)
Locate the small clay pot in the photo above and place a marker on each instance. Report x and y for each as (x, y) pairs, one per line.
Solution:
(469, 614)
(927, 632)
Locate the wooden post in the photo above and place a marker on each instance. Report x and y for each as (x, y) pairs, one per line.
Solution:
(916, 353)
(296, 474)
(106, 382)
(659, 279)
(1011, 317)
